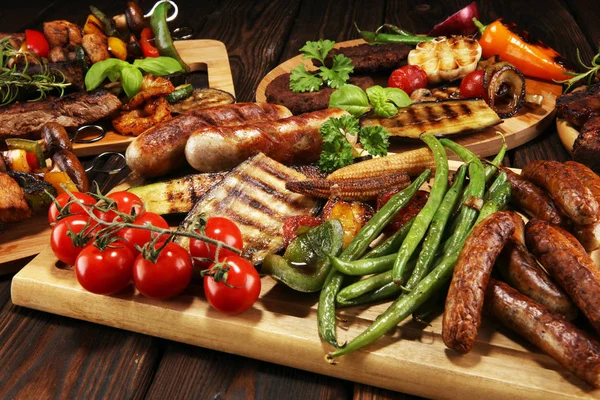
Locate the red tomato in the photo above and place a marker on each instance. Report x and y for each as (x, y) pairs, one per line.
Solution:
(472, 85)
(221, 229)
(140, 237)
(74, 208)
(62, 245)
(168, 277)
(291, 225)
(32, 161)
(408, 78)
(37, 43)
(105, 271)
(241, 291)
(126, 202)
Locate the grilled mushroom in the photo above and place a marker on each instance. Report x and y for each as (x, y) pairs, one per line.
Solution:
(67, 162)
(55, 137)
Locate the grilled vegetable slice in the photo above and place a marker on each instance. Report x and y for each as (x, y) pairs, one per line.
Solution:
(443, 118)
(203, 98)
(353, 215)
(180, 93)
(36, 191)
(176, 195)
(446, 59)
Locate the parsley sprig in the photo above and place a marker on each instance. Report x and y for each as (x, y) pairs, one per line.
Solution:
(338, 152)
(335, 77)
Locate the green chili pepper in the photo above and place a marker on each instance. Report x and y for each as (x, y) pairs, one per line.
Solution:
(162, 36)
(424, 217)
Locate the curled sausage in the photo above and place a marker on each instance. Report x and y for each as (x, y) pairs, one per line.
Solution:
(520, 269)
(588, 235)
(568, 263)
(532, 199)
(574, 349)
(462, 315)
(565, 188)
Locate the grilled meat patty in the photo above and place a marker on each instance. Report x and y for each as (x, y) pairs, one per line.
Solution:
(13, 206)
(278, 92)
(76, 109)
(371, 59)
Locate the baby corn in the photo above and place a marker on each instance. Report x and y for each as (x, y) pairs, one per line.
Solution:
(411, 162)
(350, 189)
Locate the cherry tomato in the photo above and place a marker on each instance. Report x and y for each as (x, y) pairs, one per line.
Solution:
(221, 229)
(241, 291)
(293, 223)
(168, 277)
(408, 78)
(472, 85)
(413, 207)
(37, 43)
(62, 245)
(126, 202)
(140, 237)
(74, 208)
(105, 271)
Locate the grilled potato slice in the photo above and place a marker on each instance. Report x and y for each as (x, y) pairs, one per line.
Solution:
(353, 215)
(443, 118)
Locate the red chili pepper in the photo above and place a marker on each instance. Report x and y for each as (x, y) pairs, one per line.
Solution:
(148, 49)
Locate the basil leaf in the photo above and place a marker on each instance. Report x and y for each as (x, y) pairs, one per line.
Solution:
(158, 66)
(131, 80)
(398, 97)
(378, 99)
(350, 98)
(102, 70)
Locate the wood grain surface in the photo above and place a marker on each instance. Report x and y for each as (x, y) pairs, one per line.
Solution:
(259, 35)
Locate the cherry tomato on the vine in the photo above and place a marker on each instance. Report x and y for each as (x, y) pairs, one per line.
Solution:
(408, 78)
(221, 229)
(73, 208)
(472, 85)
(135, 236)
(240, 292)
(105, 271)
(125, 202)
(62, 245)
(168, 277)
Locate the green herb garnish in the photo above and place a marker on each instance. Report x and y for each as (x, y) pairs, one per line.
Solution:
(383, 101)
(592, 71)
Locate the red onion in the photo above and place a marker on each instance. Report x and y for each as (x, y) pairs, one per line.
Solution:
(460, 23)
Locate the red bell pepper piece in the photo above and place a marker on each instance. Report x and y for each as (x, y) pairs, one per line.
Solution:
(37, 43)
(148, 49)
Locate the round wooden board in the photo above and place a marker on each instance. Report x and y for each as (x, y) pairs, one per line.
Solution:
(518, 130)
(567, 133)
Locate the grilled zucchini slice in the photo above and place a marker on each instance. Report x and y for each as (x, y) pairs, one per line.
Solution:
(203, 98)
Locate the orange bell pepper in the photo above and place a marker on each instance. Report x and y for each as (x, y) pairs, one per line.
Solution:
(513, 44)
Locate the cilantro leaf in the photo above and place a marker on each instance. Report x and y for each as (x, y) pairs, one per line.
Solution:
(337, 151)
(303, 81)
(379, 100)
(339, 73)
(375, 140)
(317, 50)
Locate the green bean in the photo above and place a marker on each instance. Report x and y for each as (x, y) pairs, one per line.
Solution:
(364, 266)
(364, 286)
(432, 304)
(424, 217)
(499, 198)
(372, 229)
(386, 292)
(391, 244)
(434, 237)
(492, 167)
(500, 179)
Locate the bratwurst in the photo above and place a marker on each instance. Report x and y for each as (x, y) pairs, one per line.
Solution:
(290, 140)
(161, 149)
(588, 235)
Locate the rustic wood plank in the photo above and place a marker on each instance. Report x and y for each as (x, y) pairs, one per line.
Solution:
(586, 14)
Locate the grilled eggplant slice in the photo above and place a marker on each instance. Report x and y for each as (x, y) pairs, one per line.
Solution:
(253, 195)
(443, 118)
(203, 98)
(176, 195)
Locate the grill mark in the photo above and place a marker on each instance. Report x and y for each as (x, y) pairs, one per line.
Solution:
(243, 197)
(465, 110)
(449, 111)
(252, 223)
(277, 172)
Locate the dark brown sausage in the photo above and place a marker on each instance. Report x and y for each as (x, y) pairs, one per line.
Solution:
(519, 234)
(520, 269)
(161, 149)
(290, 140)
(565, 188)
(532, 199)
(588, 235)
(568, 263)
(574, 349)
(462, 315)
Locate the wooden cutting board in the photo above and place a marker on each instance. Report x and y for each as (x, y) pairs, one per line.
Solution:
(518, 130)
(29, 237)
(282, 328)
(201, 55)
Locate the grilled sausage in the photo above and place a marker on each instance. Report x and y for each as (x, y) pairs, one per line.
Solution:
(574, 349)
(565, 188)
(568, 263)
(519, 234)
(588, 235)
(161, 148)
(532, 199)
(290, 140)
(520, 269)
(462, 316)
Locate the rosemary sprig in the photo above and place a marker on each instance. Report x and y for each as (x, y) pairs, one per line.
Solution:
(591, 72)
(14, 80)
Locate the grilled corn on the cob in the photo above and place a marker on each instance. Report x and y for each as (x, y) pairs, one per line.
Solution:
(446, 59)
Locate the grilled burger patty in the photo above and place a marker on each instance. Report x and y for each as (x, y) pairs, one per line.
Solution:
(371, 59)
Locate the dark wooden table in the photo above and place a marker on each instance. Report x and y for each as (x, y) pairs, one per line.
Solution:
(47, 356)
